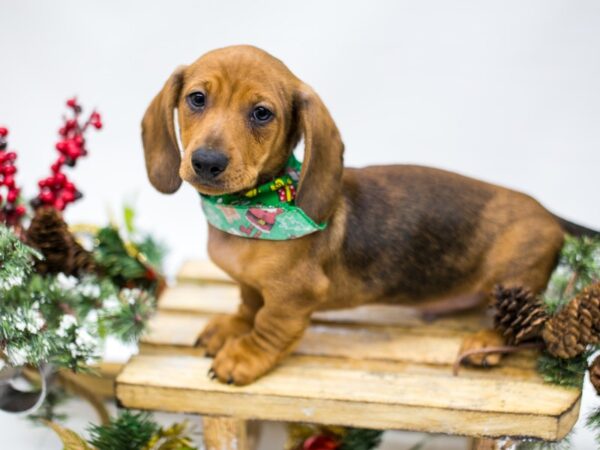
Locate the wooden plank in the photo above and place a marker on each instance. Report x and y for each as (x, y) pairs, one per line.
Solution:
(215, 298)
(176, 329)
(423, 344)
(403, 315)
(201, 271)
(384, 400)
(200, 274)
(207, 299)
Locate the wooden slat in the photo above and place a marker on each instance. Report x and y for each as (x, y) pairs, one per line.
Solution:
(207, 298)
(174, 329)
(423, 344)
(384, 400)
(211, 298)
(201, 271)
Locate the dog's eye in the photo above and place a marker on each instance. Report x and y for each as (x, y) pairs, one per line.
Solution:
(196, 100)
(261, 114)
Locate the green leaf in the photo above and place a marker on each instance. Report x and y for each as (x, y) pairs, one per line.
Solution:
(128, 218)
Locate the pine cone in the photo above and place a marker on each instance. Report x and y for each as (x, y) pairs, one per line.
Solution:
(577, 325)
(595, 374)
(49, 233)
(519, 315)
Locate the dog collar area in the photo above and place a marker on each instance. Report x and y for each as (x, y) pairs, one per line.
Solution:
(265, 212)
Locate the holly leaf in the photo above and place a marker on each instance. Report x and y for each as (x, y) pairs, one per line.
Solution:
(70, 439)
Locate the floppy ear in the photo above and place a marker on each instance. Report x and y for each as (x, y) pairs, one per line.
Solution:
(321, 175)
(158, 136)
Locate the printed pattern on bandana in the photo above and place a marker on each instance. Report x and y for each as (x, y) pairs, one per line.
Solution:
(266, 212)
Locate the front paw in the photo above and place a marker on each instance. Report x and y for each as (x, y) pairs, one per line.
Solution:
(221, 328)
(241, 361)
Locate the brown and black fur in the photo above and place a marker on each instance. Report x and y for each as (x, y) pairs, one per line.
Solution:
(396, 234)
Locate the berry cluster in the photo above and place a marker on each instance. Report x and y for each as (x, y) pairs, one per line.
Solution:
(57, 190)
(10, 211)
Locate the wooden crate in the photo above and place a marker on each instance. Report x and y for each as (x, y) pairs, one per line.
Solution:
(374, 367)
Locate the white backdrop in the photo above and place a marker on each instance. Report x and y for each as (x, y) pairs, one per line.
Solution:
(504, 91)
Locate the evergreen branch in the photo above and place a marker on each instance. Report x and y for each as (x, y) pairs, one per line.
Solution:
(129, 431)
(16, 259)
(593, 423)
(361, 439)
(564, 372)
(563, 444)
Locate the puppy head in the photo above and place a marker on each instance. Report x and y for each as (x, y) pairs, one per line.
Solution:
(241, 113)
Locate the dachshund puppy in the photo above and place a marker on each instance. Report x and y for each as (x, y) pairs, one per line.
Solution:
(395, 234)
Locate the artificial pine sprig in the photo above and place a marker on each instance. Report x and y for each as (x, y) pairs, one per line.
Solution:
(128, 431)
(593, 422)
(128, 263)
(16, 259)
(564, 372)
(60, 318)
(361, 439)
(563, 444)
(579, 266)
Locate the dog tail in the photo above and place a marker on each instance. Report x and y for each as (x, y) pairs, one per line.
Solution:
(575, 229)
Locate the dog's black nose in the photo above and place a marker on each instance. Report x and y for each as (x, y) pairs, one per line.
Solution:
(209, 163)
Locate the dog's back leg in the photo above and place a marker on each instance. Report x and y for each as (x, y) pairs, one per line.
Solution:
(523, 255)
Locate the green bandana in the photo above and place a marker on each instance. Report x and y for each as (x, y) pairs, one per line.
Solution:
(266, 212)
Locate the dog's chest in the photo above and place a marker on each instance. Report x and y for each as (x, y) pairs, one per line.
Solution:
(242, 258)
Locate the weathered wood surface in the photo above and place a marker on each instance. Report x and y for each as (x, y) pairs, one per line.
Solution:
(305, 390)
(373, 368)
(228, 433)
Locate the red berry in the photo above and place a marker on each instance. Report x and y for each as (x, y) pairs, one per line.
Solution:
(11, 156)
(9, 181)
(61, 160)
(97, 125)
(68, 196)
(55, 167)
(79, 140)
(59, 204)
(9, 170)
(12, 196)
(69, 186)
(3, 131)
(95, 117)
(70, 124)
(60, 178)
(20, 210)
(62, 146)
(46, 196)
(73, 153)
(72, 102)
